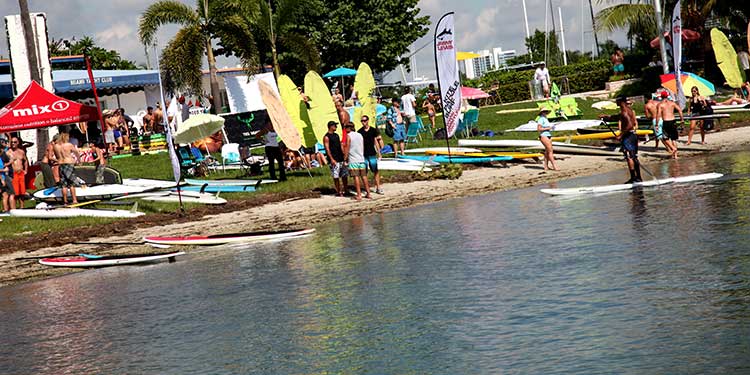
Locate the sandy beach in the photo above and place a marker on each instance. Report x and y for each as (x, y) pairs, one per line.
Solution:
(294, 212)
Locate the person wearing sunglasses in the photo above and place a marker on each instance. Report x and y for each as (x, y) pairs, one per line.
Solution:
(373, 143)
(20, 165)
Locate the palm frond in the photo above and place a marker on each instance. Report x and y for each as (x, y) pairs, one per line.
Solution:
(302, 48)
(237, 36)
(181, 60)
(162, 13)
(626, 15)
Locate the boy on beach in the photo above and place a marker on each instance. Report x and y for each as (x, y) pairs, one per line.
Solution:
(627, 127)
(354, 151)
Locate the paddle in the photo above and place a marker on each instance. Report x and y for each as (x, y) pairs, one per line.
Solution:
(73, 205)
(122, 243)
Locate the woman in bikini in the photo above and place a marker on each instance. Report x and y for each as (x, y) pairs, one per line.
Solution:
(545, 134)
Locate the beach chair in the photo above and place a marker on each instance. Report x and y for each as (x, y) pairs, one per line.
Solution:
(230, 157)
(412, 134)
(422, 128)
(569, 107)
(471, 118)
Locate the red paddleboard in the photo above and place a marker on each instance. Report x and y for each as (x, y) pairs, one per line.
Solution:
(219, 239)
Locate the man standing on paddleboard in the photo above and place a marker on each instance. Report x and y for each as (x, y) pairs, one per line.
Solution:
(665, 116)
(627, 127)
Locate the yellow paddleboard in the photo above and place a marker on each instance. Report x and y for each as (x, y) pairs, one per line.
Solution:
(280, 119)
(602, 135)
(726, 57)
(297, 109)
(364, 85)
(322, 108)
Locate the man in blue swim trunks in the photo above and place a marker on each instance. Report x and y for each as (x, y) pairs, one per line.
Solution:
(627, 127)
(373, 144)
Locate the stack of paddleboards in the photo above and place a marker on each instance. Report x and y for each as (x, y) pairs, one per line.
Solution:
(457, 159)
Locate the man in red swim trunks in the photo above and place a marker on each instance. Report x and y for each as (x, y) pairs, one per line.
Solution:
(20, 165)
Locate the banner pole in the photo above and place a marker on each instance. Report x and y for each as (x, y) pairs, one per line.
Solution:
(447, 45)
(96, 99)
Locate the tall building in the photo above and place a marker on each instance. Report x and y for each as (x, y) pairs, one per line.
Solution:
(486, 62)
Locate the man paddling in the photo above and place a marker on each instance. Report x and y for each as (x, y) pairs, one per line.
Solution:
(627, 127)
(665, 116)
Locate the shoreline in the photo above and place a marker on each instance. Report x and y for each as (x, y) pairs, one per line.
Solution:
(313, 209)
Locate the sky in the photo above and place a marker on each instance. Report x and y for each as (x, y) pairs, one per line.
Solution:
(480, 24)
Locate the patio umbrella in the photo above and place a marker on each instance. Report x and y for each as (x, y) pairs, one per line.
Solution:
(341, 72)
(472, 93)
(687, 36)
(604, 104)
(460, 56)
(198, 127)
(688, 81)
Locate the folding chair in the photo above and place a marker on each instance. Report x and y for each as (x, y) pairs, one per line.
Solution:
(412, 134)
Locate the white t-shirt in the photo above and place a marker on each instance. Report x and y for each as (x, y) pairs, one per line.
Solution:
(356, 147)
(407, 104)
(744, 58)
(542, 75)
(272, 139)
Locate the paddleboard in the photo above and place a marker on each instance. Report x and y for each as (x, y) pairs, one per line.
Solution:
(603, 135)
(64, 213)
(192, 181)
(610, 188)
(280, 119)
(389, 164)
(321, 108)
(150, 183)
(561, 126)
(112, 260)
(297, 109)
(458, 159)
(514, 155)
(364, 84)
(517, 110)
(429, 150)
(186, 198)
(88, 174)
(86, 193)
(218, 189)
(219, 239)
(726, 58)
(731, 108)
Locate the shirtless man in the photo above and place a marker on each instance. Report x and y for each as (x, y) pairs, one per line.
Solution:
(148, 121)
(651, 113)
(665, 116)
(50, 169)
(64, 152)
(20, 165)
(627, 127)
(338, 98)
(343, 118)
(158, 120)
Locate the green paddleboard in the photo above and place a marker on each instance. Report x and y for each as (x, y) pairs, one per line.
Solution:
(364, 85)
(726, 57)
(322, 108)
(297, 110)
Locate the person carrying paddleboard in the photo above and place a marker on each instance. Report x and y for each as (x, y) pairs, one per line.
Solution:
(627, 127)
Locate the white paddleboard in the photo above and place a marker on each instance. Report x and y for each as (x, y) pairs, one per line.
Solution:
(561, 126)
(610, 188)
(226, 238)
(63, 213)
(731, 108)
(147, 182)
(82, 261)
(388, 164)
(84, 193)
(441, 149)
(187, 197)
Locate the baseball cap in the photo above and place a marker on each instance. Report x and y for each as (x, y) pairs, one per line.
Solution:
(332, 123)
(107, 112)
(621, 99)
(664, 94)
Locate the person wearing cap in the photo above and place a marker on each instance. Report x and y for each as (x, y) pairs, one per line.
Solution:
(541, 75)
(545, 136)
(627, 127)
(354, 152)
(335, 155)
(665, 116)
(20, 165)
(651, 109)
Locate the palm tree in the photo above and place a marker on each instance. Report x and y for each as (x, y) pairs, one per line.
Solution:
(198, 27)
(639, 18)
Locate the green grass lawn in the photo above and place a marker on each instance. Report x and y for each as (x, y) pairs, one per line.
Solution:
(157, 166)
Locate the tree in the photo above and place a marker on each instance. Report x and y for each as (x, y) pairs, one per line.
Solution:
(537, 43)
(274, 29)
(199, 26)
(378, 32)
(100, 58)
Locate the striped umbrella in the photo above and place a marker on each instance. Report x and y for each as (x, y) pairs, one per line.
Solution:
(689, 80)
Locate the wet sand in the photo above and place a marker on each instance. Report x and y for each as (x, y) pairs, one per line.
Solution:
(314, 209)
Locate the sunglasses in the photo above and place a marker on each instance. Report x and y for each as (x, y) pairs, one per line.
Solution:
(365, 120)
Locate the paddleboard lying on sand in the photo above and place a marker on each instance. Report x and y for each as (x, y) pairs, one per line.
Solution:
(192, 181)
(406, 165)
(219, 239)
(723, 108)
(63, 213)
(513, 143)
(112, 260)
(87, 193)
(439, 150)
(560, 126)
(187, 197)
(217, 188)
(610, 188)
(514, 155)
(458, 159)
(603, 135)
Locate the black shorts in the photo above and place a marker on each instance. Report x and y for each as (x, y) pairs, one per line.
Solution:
(670, 129)
(630, 145)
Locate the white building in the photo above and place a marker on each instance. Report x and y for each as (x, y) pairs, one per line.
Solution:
(488, 61)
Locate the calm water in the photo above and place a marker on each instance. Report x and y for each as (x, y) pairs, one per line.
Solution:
(652, 282)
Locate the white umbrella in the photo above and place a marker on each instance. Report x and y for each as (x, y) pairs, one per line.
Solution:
(198, 127)
(604, 104)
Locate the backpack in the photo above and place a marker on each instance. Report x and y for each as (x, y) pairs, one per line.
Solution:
(439, 134)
